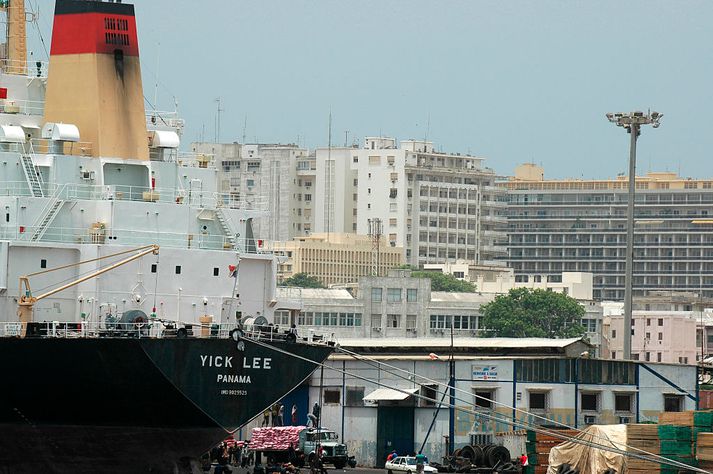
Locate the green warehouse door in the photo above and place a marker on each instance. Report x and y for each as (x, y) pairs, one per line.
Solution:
(394, 430)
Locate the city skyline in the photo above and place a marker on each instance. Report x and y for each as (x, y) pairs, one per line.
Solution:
(512, 83)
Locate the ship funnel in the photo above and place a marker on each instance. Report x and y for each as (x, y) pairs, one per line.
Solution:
(94, 78)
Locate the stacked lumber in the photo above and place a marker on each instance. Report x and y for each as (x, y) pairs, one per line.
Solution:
(676, 443)
(543, 445)
(704, 447)
(644, 437)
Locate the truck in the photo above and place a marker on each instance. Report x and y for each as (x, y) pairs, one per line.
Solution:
(298, 445)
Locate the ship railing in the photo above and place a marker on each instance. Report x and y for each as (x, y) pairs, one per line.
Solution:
(192, 197)
(156, 328)
(22, 107)
(191, 159)
(99, 233)
(14, 188)
(274, 333)
(160, 119)
(28, 68)
(43, 146)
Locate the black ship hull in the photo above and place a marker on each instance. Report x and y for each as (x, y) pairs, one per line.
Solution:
(134, 405)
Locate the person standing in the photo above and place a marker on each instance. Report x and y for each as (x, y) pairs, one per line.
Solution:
(420, 462)
(266, 417)
(275, 411)
(281, 415)
(294, 415)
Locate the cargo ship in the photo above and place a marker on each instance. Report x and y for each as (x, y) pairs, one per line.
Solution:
(141, 368)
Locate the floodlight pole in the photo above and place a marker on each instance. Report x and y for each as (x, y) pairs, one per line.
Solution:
(632, 122)
(629, 269)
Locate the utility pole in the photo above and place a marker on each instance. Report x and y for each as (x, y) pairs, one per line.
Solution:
(632, 123)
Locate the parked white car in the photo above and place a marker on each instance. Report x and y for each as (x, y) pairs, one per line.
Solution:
(407, 464)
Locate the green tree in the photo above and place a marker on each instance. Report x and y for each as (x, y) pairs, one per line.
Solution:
(445, 282)
(533, 313)
(302, 280)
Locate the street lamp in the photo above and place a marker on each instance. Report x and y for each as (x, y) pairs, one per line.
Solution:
(632, 122)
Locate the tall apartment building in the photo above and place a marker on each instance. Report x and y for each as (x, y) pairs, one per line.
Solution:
(438, 206)
(335, 258)
(278, 177)
(557, 226)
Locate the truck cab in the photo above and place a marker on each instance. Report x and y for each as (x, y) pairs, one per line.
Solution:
(334, 452)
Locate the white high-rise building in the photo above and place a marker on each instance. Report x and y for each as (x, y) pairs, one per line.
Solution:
(439, 207)
(277, 178)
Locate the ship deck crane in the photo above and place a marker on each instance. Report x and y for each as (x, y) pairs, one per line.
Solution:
(27, 300)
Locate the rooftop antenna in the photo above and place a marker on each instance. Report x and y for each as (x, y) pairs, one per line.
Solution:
(346, 138)
(328, 171)
(155, 88)
(428, 129)
(375, 231)
(245, 126)
(217, 120)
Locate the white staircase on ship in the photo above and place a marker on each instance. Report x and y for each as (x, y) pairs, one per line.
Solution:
(32, 175)
(225, 227)
(46, 219)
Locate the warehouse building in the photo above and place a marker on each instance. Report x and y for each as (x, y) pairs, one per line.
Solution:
(375, 410)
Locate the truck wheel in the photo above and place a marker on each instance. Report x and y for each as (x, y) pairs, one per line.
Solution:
(340, 464)
(389, 472)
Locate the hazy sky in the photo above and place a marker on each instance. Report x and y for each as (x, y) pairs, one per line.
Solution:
(511, 81)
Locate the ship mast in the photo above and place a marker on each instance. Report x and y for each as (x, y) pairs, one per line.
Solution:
(14, 55)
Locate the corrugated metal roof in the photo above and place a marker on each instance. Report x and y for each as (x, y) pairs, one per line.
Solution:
(384, 394)
(444, 296)
(470, 342)
(314, 293)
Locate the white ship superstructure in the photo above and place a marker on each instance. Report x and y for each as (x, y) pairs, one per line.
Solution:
(63, 202)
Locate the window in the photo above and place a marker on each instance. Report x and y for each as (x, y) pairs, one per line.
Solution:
(483, 398)
(613, 333)
(660, 336)
(376, 295)
(331, 396)
(673, 403)
(411, 295)
(393, 320)
(429, 392)
(154, 268)
(178, 269)
(356, 181)
(355, 396)
(658, 357)
(250, 183)
(538, 401)
(648, 321)
(43, 263)
(590, 401)
(308, 197)
(216, 271)
(622, 402)
(590, 325)
(648, 357)
(393, 295)
(411, 322)
(660, 321)
(376, 321)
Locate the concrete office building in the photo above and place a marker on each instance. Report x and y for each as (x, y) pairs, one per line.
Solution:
(334, 258)
(557, 226)
(438, 206)
(277, 178)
